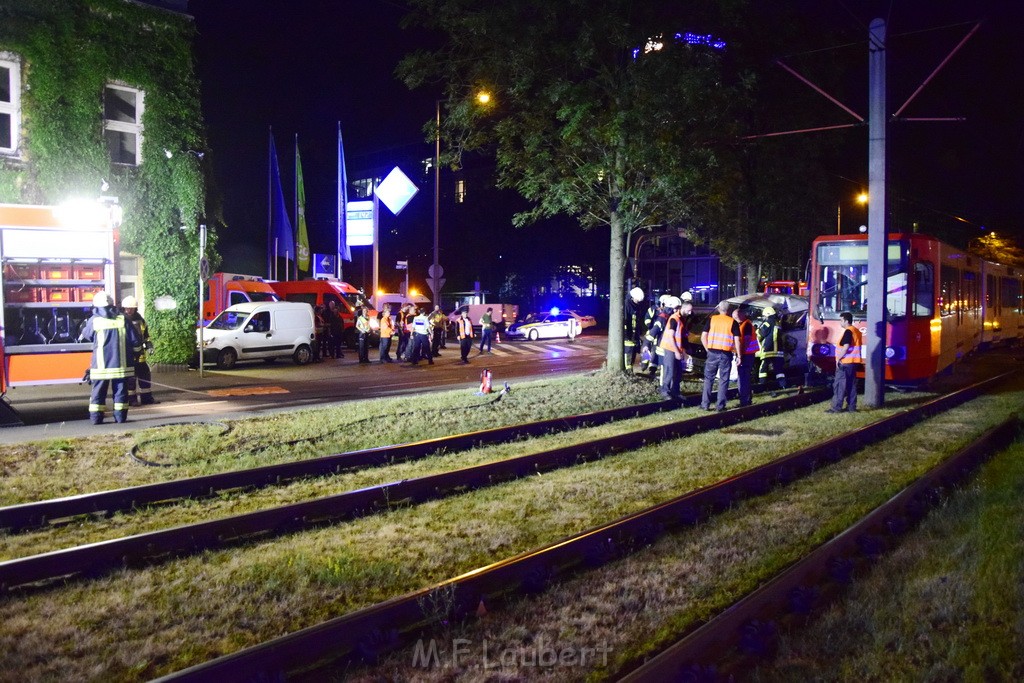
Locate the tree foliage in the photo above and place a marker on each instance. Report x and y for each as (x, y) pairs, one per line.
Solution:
(599, 111)
(70, 50)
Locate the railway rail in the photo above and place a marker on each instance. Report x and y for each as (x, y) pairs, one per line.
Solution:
(95, 558)
(367, 633)
(27, 515)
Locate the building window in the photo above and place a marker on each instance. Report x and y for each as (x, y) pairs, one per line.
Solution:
(460, 191)
(10, 104)
(122, 124)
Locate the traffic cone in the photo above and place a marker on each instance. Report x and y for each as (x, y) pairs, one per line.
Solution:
(485, 382)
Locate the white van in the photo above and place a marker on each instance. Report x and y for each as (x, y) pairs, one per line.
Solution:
(267, 331)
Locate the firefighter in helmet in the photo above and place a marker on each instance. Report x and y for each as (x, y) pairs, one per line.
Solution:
(115, 345)
(140, 386)
(770, 353)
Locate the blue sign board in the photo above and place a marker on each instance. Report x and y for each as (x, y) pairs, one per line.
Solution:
(324, 266)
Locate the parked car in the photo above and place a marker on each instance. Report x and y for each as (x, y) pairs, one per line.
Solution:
(267, 331)
(554, 325)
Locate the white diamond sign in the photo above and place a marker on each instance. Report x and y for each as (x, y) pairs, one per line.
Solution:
(396, 190)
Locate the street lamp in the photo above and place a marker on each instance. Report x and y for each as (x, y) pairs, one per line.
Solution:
(435, 271)
(861, 198)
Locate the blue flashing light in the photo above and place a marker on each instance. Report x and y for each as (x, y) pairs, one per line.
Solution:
(555, 310)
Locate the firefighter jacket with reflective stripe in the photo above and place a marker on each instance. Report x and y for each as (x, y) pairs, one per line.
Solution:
(720, 336)
(142, 332)
(465, 328)
(748, 338)
(420, 324)
(855, 351)
(115, 345)
(656, 328)
(768, 339)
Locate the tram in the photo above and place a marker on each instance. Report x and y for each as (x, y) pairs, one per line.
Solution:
(942, 303)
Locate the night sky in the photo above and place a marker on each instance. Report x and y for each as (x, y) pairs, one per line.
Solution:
(300, 66)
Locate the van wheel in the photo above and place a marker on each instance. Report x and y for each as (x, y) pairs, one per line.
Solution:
(226, 359)
(303, 354)
(534, 334)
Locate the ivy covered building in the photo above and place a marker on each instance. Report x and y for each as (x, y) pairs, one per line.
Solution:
(99, 97)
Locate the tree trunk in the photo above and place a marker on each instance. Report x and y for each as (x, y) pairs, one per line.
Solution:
(616, 296)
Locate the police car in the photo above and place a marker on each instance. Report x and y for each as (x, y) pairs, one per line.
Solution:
(555, 324)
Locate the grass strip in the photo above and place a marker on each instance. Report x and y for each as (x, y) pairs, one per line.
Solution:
(618, 613)
(224, 600)
(955, 614)
(63, 467)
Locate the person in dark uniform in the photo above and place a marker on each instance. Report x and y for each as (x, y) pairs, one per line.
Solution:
(849, 357)
(139, 387)
(115, 345)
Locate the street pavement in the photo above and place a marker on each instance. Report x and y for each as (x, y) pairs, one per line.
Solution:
(61, 411)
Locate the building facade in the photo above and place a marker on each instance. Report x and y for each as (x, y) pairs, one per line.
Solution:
(98, 99)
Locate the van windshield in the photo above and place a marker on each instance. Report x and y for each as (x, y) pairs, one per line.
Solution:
(263, 296)
(228, 320)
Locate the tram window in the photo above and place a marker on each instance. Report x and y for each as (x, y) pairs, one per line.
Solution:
(990, 293)
(844, 288)
(949, 290)
(969, 293)
(924, 290)
(896, 295)
(1010, 293)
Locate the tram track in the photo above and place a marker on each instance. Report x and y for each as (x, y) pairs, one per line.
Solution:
(366, 633)
(96, 558)
(34, 514)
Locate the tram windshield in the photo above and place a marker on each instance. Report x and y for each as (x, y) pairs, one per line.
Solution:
(843, 278)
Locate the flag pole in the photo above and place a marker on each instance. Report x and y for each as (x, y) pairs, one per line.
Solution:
(296, 208)
(270, 205)
(341, 206)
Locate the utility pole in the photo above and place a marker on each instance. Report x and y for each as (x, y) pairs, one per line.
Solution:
(878, 231)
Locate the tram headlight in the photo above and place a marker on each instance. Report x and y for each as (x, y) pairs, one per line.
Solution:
(895, 353)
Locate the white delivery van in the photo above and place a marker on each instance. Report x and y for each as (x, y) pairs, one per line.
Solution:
(267, 331)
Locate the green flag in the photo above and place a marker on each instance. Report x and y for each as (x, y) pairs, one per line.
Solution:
(302, 242)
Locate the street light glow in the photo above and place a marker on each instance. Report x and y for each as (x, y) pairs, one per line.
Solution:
(483, 97)
(862, 198)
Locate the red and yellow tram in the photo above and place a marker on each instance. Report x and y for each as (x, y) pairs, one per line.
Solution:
(942, 303)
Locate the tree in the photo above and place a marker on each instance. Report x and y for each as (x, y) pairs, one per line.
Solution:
(601, 110)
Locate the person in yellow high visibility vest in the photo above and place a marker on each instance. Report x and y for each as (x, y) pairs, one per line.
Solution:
(465, 329)
(849, 357)
(721, 339)
(115, 345)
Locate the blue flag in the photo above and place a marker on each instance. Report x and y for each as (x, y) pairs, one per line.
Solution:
(281, 243)
(344, 252)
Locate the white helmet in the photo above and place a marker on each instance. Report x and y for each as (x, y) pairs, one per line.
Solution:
(663, 299)
(686, 296)
(100, 299)
(673, 302)
(636, 294)
(768, 310)
(130, 302)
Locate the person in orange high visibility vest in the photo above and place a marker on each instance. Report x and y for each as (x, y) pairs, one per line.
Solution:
(720, 339)
(849, 357)
(747, 354)
(672, 346)
(465, 330)
(386, 329)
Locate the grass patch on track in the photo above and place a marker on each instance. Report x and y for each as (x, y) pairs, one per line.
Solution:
(122, 624)
(635, 606)
(63, 467)
(955, 614)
